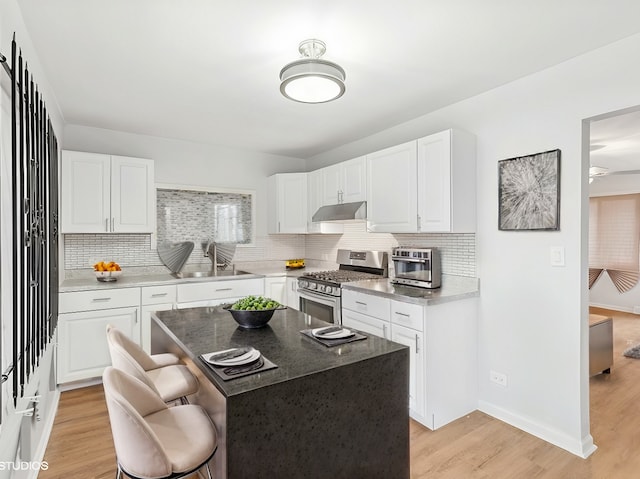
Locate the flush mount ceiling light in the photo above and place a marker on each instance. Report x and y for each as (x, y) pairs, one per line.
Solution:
(311, 79)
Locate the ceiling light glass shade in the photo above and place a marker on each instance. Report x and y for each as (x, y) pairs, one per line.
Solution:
(312, 80)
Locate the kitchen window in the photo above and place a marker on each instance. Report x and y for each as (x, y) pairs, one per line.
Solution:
(192, 214)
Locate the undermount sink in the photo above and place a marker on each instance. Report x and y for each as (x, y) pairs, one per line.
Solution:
(209, 274)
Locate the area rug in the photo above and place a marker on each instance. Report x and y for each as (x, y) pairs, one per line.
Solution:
(632, 352)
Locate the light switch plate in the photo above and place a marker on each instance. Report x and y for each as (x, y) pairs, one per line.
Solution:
(557, 255)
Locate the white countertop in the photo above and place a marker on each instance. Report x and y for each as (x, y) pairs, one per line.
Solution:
(90, 283)
(453, 288)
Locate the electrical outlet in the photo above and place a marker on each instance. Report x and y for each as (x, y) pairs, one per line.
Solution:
(498, 378)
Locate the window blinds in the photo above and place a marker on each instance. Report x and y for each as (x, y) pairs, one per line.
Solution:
(614, 239)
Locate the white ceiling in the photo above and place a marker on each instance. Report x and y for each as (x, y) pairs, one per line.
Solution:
(615, 146)
(207, 70)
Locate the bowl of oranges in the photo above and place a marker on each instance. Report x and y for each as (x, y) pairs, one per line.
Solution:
(107, 272)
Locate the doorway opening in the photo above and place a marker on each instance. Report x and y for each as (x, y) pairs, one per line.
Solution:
(613, 142)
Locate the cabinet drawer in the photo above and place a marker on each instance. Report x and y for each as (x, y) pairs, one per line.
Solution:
(158, 294)
(219, 290)
(99, 299)
(407, 314)
(364, 323)
(368, 304)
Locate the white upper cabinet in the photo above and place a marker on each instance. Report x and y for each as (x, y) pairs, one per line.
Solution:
(314, 199)
(354, 180)
(106, 194)
(344, 182)
(423, 186)
(287, 203)
(132, 195)
(392, 189)
(314, 195)
(447, 182)
(330, 184)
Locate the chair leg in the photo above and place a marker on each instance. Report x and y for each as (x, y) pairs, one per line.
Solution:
(184, 400)
(208, 470)
(119, 473)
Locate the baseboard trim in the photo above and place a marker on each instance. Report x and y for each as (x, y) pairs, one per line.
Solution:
(79, 384)
(613, 307)
(582, 448)
(46, 433)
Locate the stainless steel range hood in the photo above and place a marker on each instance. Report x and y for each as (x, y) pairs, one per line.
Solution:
(342, 212)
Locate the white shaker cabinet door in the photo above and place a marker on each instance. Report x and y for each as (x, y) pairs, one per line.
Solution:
(276, 288)
(392, 190)
(354, 180)
(132, 195)
(414, 340)
(85, 192)
(314, 199)
(145, 322)
(293, 297)
(82, 341)
(434, 177)
(331, 184)
(447, 182)
(287, 203)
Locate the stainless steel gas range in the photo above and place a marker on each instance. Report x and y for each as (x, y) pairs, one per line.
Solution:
(320, 292)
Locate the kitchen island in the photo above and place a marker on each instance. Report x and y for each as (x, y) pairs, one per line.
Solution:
(339, 412)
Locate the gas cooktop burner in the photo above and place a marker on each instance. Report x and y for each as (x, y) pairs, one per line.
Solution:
(340, 276)
(354, 266)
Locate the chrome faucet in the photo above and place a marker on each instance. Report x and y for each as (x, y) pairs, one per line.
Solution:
(211, 252)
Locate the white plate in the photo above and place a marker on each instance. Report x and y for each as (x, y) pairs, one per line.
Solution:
(246, 358)
(343, 333)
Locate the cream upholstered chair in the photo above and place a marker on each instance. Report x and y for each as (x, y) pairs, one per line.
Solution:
(152, 440)
(161, 372)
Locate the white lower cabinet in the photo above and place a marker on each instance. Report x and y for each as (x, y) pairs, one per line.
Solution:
(292, 296)
(366, 324)
(82, 351)
(451, 361)
(275, 287)
(154, 298)
(212, 293)
(414, 340)
(442, 341)
(407, 325)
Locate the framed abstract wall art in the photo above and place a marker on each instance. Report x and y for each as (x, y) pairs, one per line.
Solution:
(529, 192)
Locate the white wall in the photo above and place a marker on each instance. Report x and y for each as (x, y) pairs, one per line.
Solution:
(532, 317)
(604, 294)
(15, 444)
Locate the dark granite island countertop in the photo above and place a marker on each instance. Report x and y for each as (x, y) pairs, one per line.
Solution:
(339, 412)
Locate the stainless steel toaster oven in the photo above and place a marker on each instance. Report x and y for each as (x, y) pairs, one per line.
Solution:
(417, 266)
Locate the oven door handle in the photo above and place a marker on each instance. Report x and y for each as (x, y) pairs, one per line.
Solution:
(323, 298)
(409, 260)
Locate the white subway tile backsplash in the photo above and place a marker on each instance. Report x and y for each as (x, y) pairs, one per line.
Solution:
(457, 250)
(81, 251)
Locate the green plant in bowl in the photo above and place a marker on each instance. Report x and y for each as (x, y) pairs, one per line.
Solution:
(253, 311)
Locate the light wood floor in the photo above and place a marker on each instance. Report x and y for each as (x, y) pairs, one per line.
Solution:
(476, 446)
